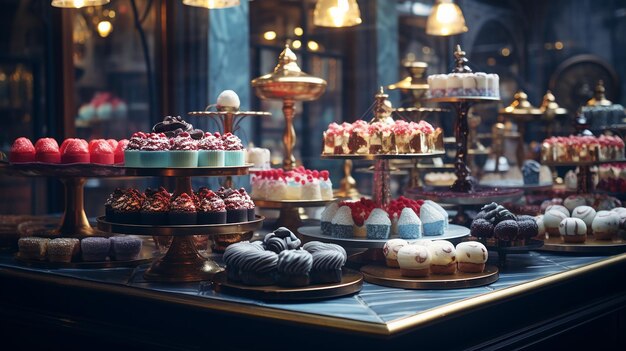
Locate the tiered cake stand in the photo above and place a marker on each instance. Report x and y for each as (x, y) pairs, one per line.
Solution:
(182, 262)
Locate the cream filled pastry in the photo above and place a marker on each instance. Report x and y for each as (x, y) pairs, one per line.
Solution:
(471, 256)
(390, 250)
(443, 257)
(414, 261)
(573, 230)
(586, 214)
(605, 225)
(551, 221)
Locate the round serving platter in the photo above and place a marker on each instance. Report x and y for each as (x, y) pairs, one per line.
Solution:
(179, 230)
(480, 197)
(380, 274)
(381, 156)
(315, 233)
(590, 246)
(351, 283)
(146, 255)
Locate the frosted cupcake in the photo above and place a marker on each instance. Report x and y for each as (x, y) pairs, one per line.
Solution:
(183, 151)
(132, 151)
(409, 224)
(211, 208)
(154, 152)
(183, 210)
(211, 151)
(33, 248)
(234, 154)
(439, 209)
(343, 224)
(414, 261)
(378, 224)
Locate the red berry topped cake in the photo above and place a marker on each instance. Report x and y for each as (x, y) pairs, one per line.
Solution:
(582, 149)
(298, 184)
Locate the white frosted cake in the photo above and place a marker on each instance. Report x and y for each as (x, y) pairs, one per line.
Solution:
(259, 157)
(464, 85)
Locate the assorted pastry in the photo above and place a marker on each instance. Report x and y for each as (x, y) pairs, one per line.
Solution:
(574, 221)
(92, 249)
(600, 202)
(280, 260)
(72, 150)
(495, 225)
(582, 149)
(298, 184)
(160, 207)
(399, 137)
(612, 178)
(402, 217)
(464, 85)
(424, 257)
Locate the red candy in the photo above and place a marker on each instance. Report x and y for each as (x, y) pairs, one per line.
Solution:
(22, 151)
(101, 152)
(75, 151)
(119, 151)
(47, 151)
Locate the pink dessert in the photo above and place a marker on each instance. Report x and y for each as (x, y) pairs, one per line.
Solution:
(183, 142)
(211, 142)
(47, 151)
(75, 151)
(112, 143)
(100, 152)
(22, 151)
(136, 141)
(118, 153)
(156, 142)
(231, 142)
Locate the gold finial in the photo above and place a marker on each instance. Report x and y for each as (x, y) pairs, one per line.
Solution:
(382, 107)
(287, 61)
(599, 98)
(461, 61)
(550, 107)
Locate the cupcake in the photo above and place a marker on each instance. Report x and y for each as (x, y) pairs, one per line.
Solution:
(125, 248)
(280, 240)
(506, 231)
(156, 206)
(409, 224)
(47, 151)
(573, 230)
(605, 224)
(211, 151)
(118, 152)
(63, 249)
(183, 151)
(390, 250)
(432, 221)
(442, 257)
(530, 171)
(471, 257)
(414, 261)
(248, 204)
(22, 151)
(127, 207)
(326, 218)
(314, 246)
(293, 268)
(211, 208)
(378, 224)
(234, 154)
(75, 151)
(235, 207)
(342, 223)
(235, 255)
(33, 248)
(131, 152)
(587, 214)
(326, 266)
(108, 204)
(551, 221)
(183, 210)
(95, 249)
(258, 267)
(154, 152)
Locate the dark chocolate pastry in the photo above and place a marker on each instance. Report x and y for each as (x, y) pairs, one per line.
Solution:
(258, 267)
(503, 214)
(481, 228)
(293, 267)
(525, 218)
(528, 228)
(281, 239)
(489, 207)
(314, 246)
(172, 126)
(506, 231)
(327, 266)
(235, 255)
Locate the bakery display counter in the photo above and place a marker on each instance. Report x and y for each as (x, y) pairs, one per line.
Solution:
(540, 299)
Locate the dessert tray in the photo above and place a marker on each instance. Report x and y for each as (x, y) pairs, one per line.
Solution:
(146, 255)
(380, 274)
(351, 283)
(590, 246)
(315, 233)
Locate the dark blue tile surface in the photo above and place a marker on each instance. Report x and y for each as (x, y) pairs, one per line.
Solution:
(374, 304)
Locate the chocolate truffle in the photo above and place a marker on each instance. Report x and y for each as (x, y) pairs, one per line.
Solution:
(481, 228)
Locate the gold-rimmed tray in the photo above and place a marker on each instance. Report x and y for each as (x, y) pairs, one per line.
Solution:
(590, 246)
(380, 274)
(179, 230)
(351, 283)
(370, 157)
(147, 254)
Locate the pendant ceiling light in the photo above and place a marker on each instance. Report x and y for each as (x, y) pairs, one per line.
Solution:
(76, 4)
(212, 4)
(446, 18)
(336, 13)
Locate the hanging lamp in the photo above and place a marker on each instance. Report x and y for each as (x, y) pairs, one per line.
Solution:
(336, 13)
(212, 4)
(446, 18)
(76, 4)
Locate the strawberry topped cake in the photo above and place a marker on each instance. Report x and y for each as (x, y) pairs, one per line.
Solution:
(298, 184)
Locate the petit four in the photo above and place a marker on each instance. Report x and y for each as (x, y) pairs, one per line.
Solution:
(442, 257)
(63, 249)
(33, 248)
(414, 261)
(390, 250)
(573, 230)
(471, 257)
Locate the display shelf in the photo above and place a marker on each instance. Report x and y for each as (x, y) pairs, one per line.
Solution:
(590, 246)
(380, 274)
(351, 283)
(453, 232)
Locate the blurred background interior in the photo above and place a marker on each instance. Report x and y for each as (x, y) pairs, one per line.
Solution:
(107, 71)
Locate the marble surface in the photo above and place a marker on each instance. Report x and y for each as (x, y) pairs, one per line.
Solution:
(374, 304)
